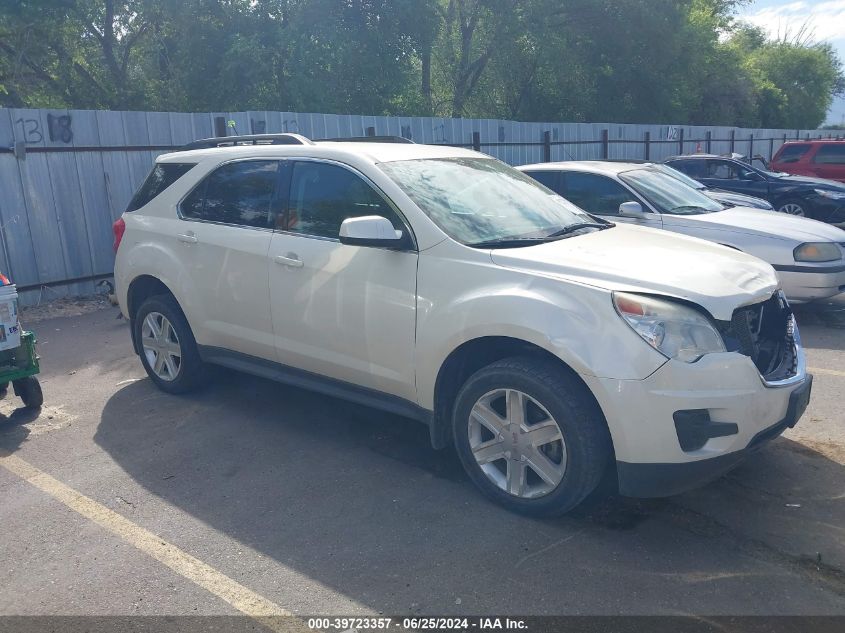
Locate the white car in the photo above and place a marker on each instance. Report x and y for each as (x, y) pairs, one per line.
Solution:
(441, 284)
(809, 256)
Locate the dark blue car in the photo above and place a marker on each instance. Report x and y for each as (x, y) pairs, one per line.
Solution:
(798, 195)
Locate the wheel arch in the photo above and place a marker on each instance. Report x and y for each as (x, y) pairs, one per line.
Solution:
(140, 289)
(469, 357)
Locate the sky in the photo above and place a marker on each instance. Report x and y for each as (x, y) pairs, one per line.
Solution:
(825, 20)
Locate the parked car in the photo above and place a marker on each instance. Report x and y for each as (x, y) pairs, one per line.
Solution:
(796, 195)
(808, 255)
(722, 196)
(820, 158)
(441, 284)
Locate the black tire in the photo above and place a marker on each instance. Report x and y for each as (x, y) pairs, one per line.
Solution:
(192, 371)
(800, 204)
(581, 423)
(29, 390)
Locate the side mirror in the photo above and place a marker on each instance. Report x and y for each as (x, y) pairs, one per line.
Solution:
(631, 210)
(370, 230)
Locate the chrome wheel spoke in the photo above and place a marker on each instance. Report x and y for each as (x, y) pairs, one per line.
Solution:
(546, 469)
(489, 451)
(516, 478)
(516, 406)
(159, 365)
(170, 364)
(543, 433)
(491, 420)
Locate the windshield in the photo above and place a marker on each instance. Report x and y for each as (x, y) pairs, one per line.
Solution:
(481, 200)
(679, 175)
(668, 194)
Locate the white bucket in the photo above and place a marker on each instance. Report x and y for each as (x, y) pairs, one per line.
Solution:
(10, 329)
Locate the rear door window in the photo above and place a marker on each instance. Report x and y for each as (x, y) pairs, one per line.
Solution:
(792, 153)
(830, 154)
(239, 193)
(160, 178)
(550, 179)
(594, 193)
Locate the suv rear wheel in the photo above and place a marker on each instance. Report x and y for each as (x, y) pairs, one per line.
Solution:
(530, 436)
(168, 349)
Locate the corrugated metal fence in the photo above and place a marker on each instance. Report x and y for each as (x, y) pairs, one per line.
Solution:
(66, 175)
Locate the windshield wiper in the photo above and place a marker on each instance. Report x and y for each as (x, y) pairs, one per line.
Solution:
(577, 227)
(508, 242)
(516, 242)
(689, 207)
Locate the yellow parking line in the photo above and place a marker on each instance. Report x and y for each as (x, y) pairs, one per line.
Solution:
(244, 600)
(827, 372)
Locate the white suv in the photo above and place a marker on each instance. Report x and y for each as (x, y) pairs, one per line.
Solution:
(546, 344)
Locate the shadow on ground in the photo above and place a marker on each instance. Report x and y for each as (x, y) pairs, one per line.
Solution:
(357, 500)
(13, 431)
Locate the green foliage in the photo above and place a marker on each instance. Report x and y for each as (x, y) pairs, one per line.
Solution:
(684, 61)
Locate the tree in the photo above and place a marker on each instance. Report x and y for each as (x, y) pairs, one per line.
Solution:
(680, 61)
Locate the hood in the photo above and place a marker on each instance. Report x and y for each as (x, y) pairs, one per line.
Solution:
(761, 222)
(818, 183)
(638, 259)
(736, 199)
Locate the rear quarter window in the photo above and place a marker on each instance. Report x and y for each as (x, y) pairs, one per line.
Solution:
(161, 177)
(830, 155)
(792, 153)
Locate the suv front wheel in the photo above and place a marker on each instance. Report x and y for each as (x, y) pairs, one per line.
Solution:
(530, 436)
(168, 349)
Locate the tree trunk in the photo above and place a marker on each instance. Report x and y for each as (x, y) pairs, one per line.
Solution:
(426, 81)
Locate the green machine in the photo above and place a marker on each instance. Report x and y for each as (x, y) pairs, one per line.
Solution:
(19, 366)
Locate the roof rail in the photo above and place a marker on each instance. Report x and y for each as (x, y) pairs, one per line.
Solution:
(367, 139)
(250, 139)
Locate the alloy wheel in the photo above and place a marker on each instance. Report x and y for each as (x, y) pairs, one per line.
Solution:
(517, 443)
(161, 346)
(792, 209)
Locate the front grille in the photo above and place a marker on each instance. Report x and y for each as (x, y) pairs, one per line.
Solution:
(765, 333)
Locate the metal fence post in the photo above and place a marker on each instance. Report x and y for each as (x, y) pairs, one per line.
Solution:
(750, 146)
(771, 148)
(647, 143)
(605, 145)
(733, 140)
(547, 147)
(220, 126)
(371, 131)
(681, 141)
(708, 141)
(476, 141)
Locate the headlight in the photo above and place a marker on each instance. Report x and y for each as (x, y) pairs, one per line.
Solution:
(817, 252)
(832, 195)
(673, 329)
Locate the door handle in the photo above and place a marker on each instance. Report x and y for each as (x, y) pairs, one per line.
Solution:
(290, 260)
(188, 238)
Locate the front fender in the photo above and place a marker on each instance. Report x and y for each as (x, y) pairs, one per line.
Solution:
(575, 322)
